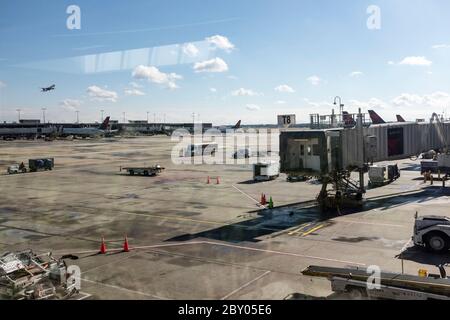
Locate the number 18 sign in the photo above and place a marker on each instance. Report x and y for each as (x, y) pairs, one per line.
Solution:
(286, 120)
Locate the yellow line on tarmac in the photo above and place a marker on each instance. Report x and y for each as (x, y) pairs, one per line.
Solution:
(297, 230)
(312, 230)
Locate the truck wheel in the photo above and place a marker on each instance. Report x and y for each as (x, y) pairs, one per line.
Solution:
(356, 293)
(145, 173)
(436, 242)
(131, 172)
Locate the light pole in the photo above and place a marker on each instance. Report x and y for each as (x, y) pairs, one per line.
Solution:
(18, 112)
(164, 119)
(123, 117)
(341, 106)
(78, 116)
(147, 116)
(101, 120)
(43, 114)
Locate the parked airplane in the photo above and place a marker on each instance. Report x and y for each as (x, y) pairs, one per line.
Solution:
(376, 119)
(224, 129)
(400, 118)
(87, 132)
(52, 87)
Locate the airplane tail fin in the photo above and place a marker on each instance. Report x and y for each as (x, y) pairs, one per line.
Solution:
(400, 118)
(348, 119)
(105, 124)
(237, 125)
(376, 119)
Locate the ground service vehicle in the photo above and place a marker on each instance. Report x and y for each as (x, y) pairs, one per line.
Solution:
(146, 171)
(16, 168)
(432, 232)
(355, 282)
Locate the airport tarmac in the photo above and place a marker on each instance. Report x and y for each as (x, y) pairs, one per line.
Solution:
(193, 240)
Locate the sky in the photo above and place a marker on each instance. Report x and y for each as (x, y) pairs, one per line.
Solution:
(221, 61)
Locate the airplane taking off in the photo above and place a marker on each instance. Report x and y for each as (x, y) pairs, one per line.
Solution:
(376, 119)
(87, 132)
(400, 118)
(52, 87)
(224, 129)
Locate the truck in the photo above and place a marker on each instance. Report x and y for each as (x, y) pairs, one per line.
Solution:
(146, 171)
(354, 282)
(242, 154)
(42, 164)
(432, 232)
(16, 168)
(266, 171)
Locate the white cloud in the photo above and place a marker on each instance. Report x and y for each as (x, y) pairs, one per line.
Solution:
(214, 90)
(134, 92)
(99, 94)
(244, 92)
(314, 80)
(232, 77)
(416, 61)
(253, 107)
(221, 42)
(280, 102)
(213, 65)
(356, 74)
(391, 63)
(436, 100)
(441, 46)
(152, 74)
(136, 85)
(190, 50)
(2, 84)
(284, 88)
(373, 103)
(70, 104)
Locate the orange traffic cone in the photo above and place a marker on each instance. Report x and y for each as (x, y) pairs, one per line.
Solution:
(208, 181)
(263, 199)
(218, 180)
(103, 247)
(126, 248)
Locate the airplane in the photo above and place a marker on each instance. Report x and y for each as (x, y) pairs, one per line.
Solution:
(348, 119)
(52, 87)
(376, 119)
(102, 130)
(224, 129)
(400, 118)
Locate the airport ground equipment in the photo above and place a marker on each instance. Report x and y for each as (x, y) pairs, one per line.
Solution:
(393, 286)
(242, 154)
(42, 164)
(25, 275)
(207, 149)
(145, 171)
(333, 154)
(17, 168)
(432, 232)
(266, 171)
(381, 175)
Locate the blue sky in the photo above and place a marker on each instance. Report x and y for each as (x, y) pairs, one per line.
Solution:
(223, 60)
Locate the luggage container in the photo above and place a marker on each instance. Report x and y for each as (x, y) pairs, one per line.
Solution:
(266, 171)
(43, 164)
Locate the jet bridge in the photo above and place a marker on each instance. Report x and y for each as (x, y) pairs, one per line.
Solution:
(332, 154)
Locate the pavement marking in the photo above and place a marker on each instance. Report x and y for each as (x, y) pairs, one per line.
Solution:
(283, 253)
(370, 223)
(312, 230)
(246, 285)
(124, 289)
(297, 230)
(238, 247)
(248, 196)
